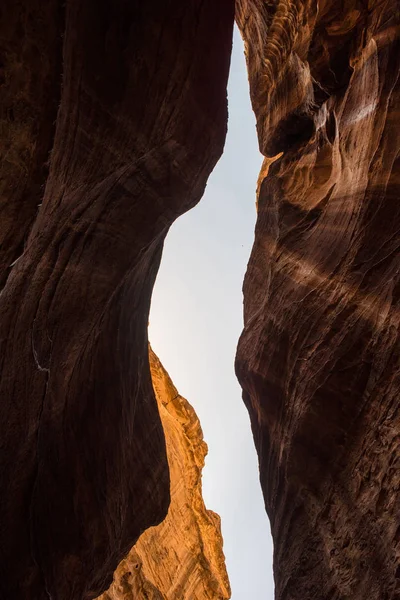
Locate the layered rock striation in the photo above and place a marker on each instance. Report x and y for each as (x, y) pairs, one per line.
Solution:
(318, 359)
(113, 114)
(181, 558)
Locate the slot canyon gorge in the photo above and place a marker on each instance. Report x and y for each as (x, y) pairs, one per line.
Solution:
(113, 114)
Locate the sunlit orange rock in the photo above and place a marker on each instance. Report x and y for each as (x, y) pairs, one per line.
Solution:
(318, 359)
(181, 558)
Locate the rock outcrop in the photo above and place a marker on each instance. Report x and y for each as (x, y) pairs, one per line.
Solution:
(113, 114)
(318, 359)
(182, 558)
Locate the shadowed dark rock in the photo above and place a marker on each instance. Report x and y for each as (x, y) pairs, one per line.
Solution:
(130, 98)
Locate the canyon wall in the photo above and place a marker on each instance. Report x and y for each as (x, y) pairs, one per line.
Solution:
(112, 116)
(182, 558)
(318, 359)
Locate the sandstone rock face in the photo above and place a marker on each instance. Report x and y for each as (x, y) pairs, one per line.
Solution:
(130, 98)
(181, 558)
(318, 359)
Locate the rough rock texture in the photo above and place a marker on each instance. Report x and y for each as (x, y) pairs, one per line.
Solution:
(182, 558)
(130, 98)
(319, 356)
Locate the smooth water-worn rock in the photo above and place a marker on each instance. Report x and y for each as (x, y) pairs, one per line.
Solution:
(318, 359)
(112, 116)
(182, 558)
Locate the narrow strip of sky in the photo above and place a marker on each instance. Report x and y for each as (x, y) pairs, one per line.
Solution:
(195, 323)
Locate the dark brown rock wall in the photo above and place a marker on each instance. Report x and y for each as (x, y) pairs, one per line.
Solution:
(318, 359)
(30, 89)
(141, 90)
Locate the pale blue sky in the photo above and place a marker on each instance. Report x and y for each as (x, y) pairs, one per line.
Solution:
(195, 322)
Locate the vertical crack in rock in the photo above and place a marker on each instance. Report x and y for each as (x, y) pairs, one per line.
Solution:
(182, 557)
(318, 359)
(135, 117)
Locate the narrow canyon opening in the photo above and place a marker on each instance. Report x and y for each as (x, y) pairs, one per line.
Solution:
(113, 114)
(195, 323)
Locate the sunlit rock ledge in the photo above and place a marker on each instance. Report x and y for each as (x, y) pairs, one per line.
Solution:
(182, 558)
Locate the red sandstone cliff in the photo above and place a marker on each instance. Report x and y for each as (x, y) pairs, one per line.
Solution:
(318, 359)
(113, 114)
(182, 558)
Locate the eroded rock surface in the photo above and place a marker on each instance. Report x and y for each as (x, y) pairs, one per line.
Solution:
(181, 558)
(318, 359)
(113, 114)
